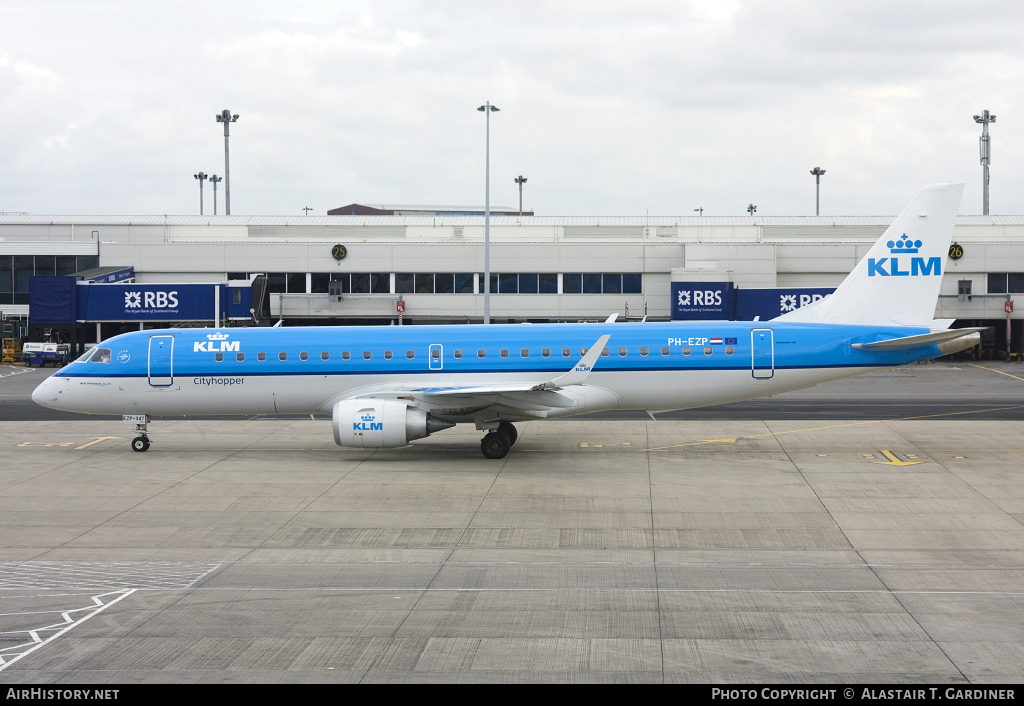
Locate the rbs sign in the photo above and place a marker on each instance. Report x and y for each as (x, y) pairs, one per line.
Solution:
(702, 300)
(148, 302)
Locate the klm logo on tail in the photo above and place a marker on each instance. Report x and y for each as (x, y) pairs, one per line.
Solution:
(918, 265)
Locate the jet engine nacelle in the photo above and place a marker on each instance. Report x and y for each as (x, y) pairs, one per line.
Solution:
(375, 424)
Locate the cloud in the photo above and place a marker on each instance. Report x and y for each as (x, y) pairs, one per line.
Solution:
(607, 107)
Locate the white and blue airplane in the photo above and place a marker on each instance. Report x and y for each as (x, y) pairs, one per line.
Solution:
(386, 386)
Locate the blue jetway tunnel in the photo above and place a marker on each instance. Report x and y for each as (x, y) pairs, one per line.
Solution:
(64, 301)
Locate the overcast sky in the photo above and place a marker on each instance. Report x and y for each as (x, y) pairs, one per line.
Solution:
(608, 108)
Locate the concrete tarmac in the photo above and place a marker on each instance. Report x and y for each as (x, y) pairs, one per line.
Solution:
(600, 551)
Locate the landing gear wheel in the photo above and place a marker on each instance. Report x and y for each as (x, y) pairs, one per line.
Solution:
(510, 429)
(495, 444)
(140, 443)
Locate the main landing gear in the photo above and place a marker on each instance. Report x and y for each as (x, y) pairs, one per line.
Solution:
(496, 444)
(141, 442)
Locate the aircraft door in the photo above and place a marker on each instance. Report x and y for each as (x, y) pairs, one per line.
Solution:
(161, 361)
(762, 353)
(435, 357)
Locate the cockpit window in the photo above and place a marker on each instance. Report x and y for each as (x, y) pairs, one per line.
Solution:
(102, 355)
(85, 356)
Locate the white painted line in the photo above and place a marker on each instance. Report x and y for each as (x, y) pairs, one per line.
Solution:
(4, 664)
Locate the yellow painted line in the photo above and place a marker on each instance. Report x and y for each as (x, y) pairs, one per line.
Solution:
(39, 443)
(895, 461)
(698, 443)
(96, 441)
(996, 371)
(958, 457)
(850, 424)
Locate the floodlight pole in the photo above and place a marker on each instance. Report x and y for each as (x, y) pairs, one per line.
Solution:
(488, 109)
(520, 180)
(227, 118)
(213, 180)
(817, 172)
(700, 211)
(201, 177)
(986, 155)
(751, 209)
(307, 209)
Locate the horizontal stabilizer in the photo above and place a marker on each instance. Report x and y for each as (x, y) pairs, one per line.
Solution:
(919, 341)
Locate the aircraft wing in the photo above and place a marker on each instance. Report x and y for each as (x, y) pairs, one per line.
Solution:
(576, 376)
(918, 341)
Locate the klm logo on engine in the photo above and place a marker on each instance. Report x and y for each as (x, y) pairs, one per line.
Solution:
(367, 424)
(918, 265)
(217, 342)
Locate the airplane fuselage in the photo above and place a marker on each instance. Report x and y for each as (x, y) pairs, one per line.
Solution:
(305, 370)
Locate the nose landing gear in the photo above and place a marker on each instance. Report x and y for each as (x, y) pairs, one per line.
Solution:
(141, 442)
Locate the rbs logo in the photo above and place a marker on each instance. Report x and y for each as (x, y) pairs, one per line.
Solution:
(918, 265)
(701, 298)
(151, 300)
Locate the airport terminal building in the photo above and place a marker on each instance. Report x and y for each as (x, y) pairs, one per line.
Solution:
(349, 269)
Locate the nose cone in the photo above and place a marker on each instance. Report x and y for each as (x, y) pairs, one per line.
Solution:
(43, 393)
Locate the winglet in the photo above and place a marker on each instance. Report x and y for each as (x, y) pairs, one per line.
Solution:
(581, 370)
(611, 319)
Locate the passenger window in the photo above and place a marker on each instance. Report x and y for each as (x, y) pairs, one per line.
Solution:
(566, 352)
(457, 353)
(303, 355)
(387, 355)
(664, 350)
(366, 355)
(728, 350)
(525, 353)
(622, 351)
(282, 356)
(583, 351)
(604, 351)
(504, 352)
(546, 352)
(102, 355)
(325, 356)
(261, 356)
(240, 356)
(410, 354)
(219, 357)
(644, 351)
(481, 353)
(686, 350)
(707, 350)
(345, 355)
(435, 353)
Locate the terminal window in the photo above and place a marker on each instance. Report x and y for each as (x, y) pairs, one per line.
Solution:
(15, 272)
(1005, 282)
(434, 283)
(605, 283)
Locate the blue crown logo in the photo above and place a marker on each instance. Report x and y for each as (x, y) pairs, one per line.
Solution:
(367, 417)
(217, 336)
(904, 244)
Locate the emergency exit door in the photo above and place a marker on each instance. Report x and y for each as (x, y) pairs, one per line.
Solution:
(161, 361)
(762, 352)
(435, 359)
